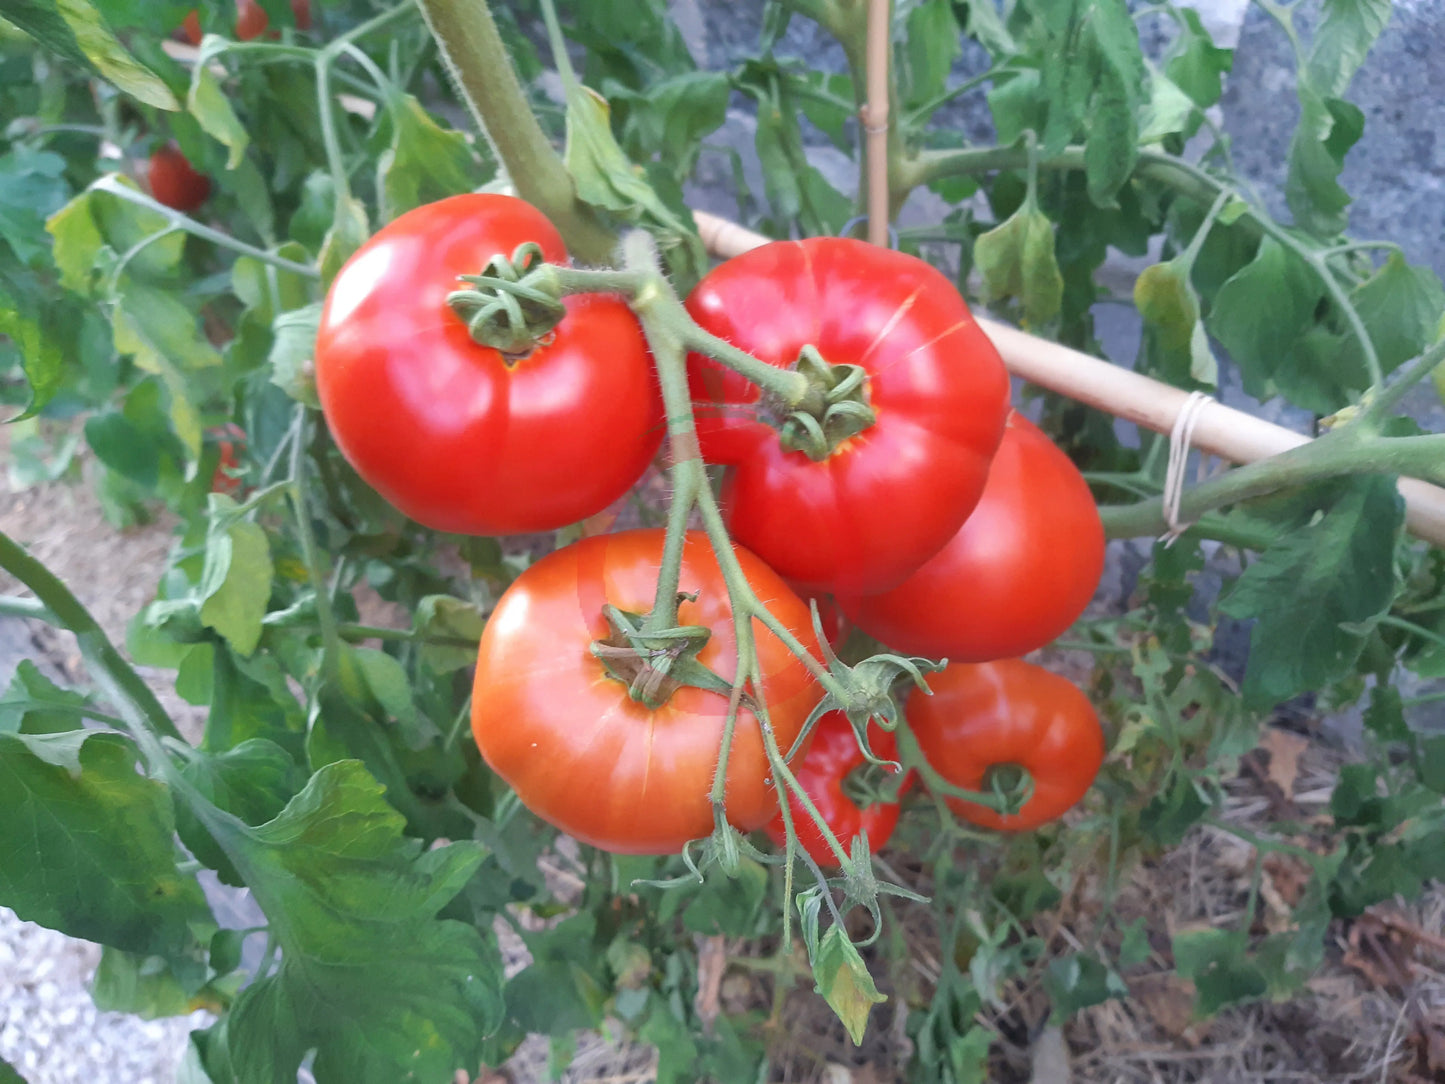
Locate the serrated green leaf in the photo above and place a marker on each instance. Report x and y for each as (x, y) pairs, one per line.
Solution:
(425, 161)
(293, 350)
(235, 586)
(1169, 110)
(1170, 309)
(1079, 981)
(441, 617)
(348, 232)
(1314, 594)
(1196, 63)
(1346, 32)
(369, 976)
(1017, 260)
(843, 979)
(1400, 306)
(932, 47)
(1260, 313)
(1219, 966)
(1016, 105)
(1328, 128)
(33, 704)
(90, 819)
(252, 782)
(77, 31)
(208, 104)
(32, 188)
(41, 357)
(729, 906)
(78, 241)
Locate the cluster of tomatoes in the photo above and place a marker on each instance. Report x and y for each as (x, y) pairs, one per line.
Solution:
(900, 491)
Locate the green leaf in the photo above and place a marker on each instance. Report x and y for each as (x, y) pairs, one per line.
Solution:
(1314, 594)
(1014, 100)
(843, 980)
(1196, 63)
(1169, 110)
(932, 46)
(348, 232)
(1400, 306)
(425, 161)
(1079, 981)
(41, 357)
(78, 241)
(985, 25)
(293, 351)
(146, 986)
(1170, 309)
(1172, 812)
(77, 31)
(252, 782)
(33, 704)
(607, 180)
(32, 188)
(8, 1075)
(729, 906)
(1346, 32)
(1017, 260)
(369, 977)
(1217, 963)
(443, 617)
(1328, 128)
(208, 103)
(99, 860)
(235, 586)
(1134, 947)
(1260, 313)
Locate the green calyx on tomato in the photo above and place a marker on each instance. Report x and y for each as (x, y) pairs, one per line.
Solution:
(587, 757)
(835, 408)
(654, 664)
(504, 312)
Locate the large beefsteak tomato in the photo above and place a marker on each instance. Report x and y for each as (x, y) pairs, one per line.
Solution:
(889, 497)
(585, 756)
(1018, 573)
(458, 435)
(994, 714)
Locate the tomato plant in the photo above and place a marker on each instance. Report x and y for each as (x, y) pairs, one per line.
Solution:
(882, 501)
(831, 758)
(1019, 571)
(174, 181)
(983, 717)
(570, 739)
(460, 436)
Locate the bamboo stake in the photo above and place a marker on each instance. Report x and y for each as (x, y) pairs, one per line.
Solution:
(1220, 430)
(875, 120)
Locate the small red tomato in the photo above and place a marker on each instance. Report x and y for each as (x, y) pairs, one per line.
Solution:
(828, 761)
(251, 20)
(301, 12)
(1010, 712)
(230, 439)
(174, 182)
(1017, 574)
(190, 30)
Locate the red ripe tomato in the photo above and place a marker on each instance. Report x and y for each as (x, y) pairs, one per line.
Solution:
(174, 182)
(301, 12)
(887, 499)
(1009, 712)
(190, 30)
(457, 435)
(229, 440)
(1018, 573)
(833, 754)
(568, 737)
(251, 20)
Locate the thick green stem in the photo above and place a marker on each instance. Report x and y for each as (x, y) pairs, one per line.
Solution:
(910, 755)
(106, 664)
(473, 53)
(1351, 449)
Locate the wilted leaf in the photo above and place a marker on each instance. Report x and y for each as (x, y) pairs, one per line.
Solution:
(844, 982)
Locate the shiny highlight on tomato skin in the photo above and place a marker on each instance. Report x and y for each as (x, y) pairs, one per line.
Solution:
(569, 739)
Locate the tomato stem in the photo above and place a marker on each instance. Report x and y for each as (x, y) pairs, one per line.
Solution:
(910, 755)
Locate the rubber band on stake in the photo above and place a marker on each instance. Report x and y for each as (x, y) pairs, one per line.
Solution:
(1179, 440)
